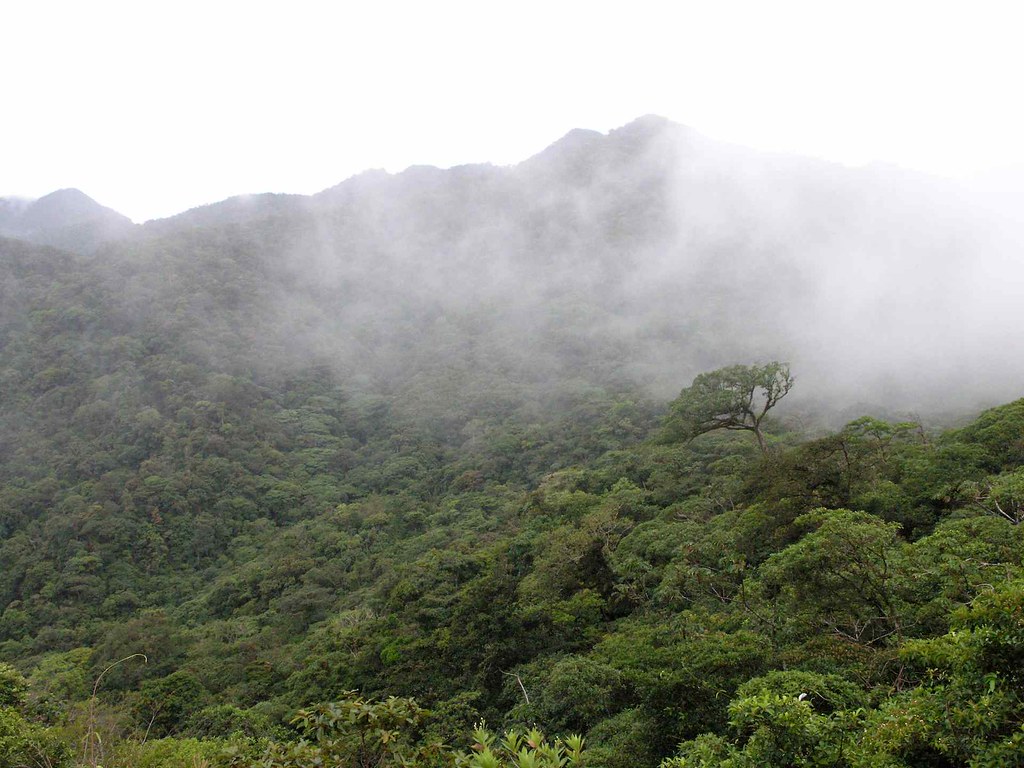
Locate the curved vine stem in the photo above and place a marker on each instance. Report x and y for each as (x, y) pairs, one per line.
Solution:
(92, 738)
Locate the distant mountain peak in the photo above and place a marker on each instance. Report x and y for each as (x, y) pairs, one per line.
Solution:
(650, 128)
(581, 153)
(68, 202)
(67, 206)
(67, 218)
(649, 120)
(68, 194)
(576, 140)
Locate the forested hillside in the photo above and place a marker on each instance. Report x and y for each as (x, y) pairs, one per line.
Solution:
(67, 218)
(421, 436)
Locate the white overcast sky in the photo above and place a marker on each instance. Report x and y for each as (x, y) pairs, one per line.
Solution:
(156, 107)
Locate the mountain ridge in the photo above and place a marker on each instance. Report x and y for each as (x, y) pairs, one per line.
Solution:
(251, 205)
(59, 217)
(66, 218)
(423, 435)
(683, 252)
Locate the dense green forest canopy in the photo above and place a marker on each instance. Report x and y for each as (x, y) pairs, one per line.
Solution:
(289, 480)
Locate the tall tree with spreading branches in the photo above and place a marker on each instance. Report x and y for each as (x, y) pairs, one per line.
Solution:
(737, 397)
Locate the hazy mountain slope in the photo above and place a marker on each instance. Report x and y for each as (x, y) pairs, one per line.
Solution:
(398, 437)
(66, 219)
(640, 257)
(234, 210)
(645, 255)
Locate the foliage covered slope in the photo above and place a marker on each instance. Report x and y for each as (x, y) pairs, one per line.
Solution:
(308, 447)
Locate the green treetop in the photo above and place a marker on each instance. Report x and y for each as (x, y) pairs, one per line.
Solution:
(735, 397)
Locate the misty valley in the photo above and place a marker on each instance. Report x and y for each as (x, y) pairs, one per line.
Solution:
(648, 451)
